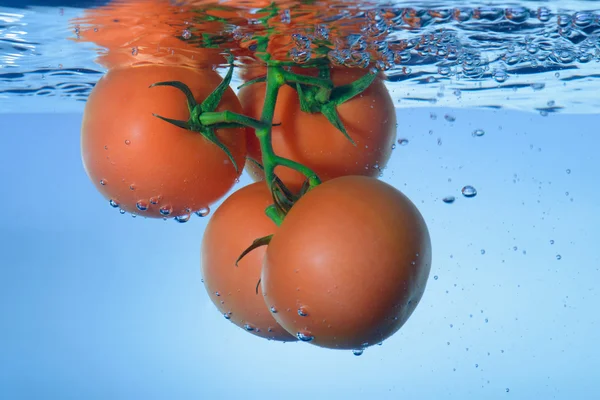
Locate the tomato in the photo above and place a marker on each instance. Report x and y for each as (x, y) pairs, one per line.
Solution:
(348, 265)
(310, 139)
(149, 166)
(142, 31)
(232, 228)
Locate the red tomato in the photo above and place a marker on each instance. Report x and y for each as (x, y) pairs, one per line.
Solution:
(348, 265)
(146, 165)
(233, 227)
(147, 31)
(310, 139)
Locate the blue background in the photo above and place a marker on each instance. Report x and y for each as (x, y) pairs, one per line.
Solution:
(98, 305)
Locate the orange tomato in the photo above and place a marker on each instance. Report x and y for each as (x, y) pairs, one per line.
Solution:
(146, 165)
(310, 139)
(147, 31)
(232, 228)
(348, 265)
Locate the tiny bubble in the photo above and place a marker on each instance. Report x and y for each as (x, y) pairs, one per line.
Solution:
(435, 277)
(357, 352)
(558, 257)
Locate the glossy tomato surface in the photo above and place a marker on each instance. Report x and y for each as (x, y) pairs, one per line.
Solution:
(146, 165)
(348, 265)
(232, 228)
(310, 139)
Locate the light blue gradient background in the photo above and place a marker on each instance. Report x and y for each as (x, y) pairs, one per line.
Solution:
(98, 305)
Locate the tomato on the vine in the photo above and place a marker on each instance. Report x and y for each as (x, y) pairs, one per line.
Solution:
(232, 228)
(311, 140)
(146, 165)
(348, 265)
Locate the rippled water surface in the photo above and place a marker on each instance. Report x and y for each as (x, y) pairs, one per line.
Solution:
(534, 56)
(498, 109)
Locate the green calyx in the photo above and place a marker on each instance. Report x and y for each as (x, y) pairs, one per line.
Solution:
(203, 118)
(320, 99)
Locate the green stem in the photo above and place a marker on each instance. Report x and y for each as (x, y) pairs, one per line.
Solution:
(212, 118)
(276, 77)
(307, 80)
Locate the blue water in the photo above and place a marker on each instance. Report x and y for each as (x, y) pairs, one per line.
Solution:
(99, 305)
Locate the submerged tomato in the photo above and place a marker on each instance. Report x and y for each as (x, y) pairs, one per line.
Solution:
(348, 265)
(310, 139)
(149, 166)
(233, 227)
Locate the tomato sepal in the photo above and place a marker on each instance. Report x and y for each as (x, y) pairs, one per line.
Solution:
(263, 241)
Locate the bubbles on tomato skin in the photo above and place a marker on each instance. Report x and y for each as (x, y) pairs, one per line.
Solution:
(121, 211)
(183, 218)
(113, 203)
(132, 187)
(166, 210)
(127, 142)
(302, 311)
(305, 336)
(273, 309)
(203, 212)
(358, 352)
(217, 293)
(103, 182)
(250, 328)
(141, 205)
(227, 315)
(155, 200)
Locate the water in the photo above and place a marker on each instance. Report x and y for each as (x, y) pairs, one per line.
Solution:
(98, 305)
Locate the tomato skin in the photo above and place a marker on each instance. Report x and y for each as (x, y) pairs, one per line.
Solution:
(310, 139)
(152, 27)
(344, 256)
(132, 156)
(232, 228)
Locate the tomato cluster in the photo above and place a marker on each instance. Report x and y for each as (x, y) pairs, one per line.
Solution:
(317, 249)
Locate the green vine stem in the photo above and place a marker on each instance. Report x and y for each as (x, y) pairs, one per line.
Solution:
(276, 78)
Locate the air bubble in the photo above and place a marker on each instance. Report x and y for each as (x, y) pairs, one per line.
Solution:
(358, 352)
(103, 182)
(249, 327)
(558, 257)
(478, 132)
(226, 315)
(273, 309)
(113, 203)
(186, 34)
(305, 336)
(142, 205)
(183, 218)
(134, 51)
(402, 142)
(166, 210)
(435, 277)
(203, 212)
(127, 142)
(469, 191)
(449, 199)
(302, 312)
(450, 118)
(154, 200)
